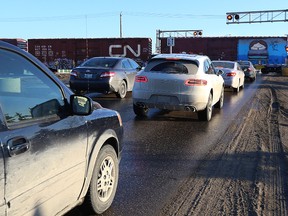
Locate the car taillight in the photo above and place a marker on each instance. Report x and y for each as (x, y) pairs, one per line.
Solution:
(74, 73)
(231, 74)
(107, 74)
(141, 79)
(196, 82)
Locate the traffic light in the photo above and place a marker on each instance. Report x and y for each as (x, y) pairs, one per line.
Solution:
(197, 33)
(229, 17)
(234, 17)
(286, 48)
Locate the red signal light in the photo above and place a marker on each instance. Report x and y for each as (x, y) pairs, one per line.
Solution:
(286, 48)
(229, 17)
(197, 33)
(233, 17)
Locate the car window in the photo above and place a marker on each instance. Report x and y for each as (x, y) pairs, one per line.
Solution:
(245, 64)
(126, 64)
(209, 68)
(170, 66)
(238, 67)
(133, 64)
(27, 94)
(224, 64)
(100, 62)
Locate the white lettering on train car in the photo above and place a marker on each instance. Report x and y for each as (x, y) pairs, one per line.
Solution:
(124, 49)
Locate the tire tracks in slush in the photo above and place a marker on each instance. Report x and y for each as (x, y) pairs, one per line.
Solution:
(246, 171)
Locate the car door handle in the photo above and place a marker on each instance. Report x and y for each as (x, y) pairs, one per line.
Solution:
(18, 145)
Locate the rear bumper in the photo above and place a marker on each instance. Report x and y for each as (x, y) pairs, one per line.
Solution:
(231, 83)
(172, 102)
(104, 86)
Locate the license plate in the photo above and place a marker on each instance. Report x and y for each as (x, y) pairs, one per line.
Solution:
(87, 76)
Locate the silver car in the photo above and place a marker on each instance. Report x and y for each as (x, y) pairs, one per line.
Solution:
(179, 82)
(233, 76)
(105, 74)
(249, 70)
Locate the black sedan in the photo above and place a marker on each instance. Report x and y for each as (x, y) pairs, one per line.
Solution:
(105, 74)
(57, 149)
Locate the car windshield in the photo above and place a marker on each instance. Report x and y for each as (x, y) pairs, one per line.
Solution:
(100, 62)
(224, 64)
(247, 64)
(172, 66)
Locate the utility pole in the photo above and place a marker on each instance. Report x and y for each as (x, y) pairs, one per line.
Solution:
(120, 24)
(87, 46)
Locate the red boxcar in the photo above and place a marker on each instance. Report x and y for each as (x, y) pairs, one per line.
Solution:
(19, 42)
(214, 47)
(67, 53)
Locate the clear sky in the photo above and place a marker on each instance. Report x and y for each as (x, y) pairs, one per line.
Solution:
(97, 19)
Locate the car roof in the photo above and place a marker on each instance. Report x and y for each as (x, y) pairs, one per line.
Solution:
(109, 57)
(228, 61)
(181, 56)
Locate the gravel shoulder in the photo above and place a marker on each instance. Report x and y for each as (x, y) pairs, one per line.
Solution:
(245, 175)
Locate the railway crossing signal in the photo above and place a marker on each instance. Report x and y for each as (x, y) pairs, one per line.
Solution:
(257, 16)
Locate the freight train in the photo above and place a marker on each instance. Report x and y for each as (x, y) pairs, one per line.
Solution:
(266, 53)
(19, 42)
(67, 53)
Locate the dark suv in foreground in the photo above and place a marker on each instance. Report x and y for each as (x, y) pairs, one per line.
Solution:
(57, 149)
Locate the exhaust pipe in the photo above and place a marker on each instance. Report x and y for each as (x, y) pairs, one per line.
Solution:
(190, 109)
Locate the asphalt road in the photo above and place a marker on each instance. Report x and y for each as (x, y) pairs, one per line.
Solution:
(163, 150)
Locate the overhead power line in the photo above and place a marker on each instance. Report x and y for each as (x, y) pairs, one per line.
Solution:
(108, 14)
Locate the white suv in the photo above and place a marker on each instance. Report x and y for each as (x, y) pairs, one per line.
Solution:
(179, 82)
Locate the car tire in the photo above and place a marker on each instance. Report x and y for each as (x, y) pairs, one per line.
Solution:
(206, 114)
(220, 103)
(104, 180)
(243, 86)
(237, 89)
(122, 90)
(140, 111)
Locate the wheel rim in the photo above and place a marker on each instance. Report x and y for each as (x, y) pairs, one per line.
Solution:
(209, 108)
(222, 98)
(122, 89)
(106, 179)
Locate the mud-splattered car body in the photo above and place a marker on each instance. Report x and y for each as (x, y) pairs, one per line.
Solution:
(51, 141)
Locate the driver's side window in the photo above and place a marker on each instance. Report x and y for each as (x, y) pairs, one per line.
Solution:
(27, 93)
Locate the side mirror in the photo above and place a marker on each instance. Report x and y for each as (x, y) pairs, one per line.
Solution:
(219, 72)
(81, 105)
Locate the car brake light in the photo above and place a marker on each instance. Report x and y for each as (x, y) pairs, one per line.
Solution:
(141, 79)
(107, 74)
(231, 74)
(196, 82)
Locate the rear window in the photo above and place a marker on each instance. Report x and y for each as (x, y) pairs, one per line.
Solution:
(224, 64)
(247, 64)
(100, 62)
(172, 66)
